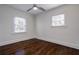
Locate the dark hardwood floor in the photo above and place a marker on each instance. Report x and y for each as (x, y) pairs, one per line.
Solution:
(37, 47)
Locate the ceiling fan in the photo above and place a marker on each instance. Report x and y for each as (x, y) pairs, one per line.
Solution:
(35, 7)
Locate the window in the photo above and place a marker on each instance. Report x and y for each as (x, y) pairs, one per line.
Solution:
(58, 20)
(19, 25)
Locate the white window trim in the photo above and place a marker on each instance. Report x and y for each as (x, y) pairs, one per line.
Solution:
(15, 25)
(59, 25)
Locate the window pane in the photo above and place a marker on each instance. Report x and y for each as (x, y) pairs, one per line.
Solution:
(58, 20)
(19, 24)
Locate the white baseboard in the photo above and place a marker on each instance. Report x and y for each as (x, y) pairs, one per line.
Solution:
(13, 41)
(68, 44)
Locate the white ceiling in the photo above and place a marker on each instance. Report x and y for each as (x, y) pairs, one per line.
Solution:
(25, 7)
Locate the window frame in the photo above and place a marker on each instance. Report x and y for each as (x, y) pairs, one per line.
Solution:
(62, 20)
(24, 26)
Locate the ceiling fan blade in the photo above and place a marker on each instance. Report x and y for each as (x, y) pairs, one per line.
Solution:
(41, 8)
(29, 9)
(34, 5)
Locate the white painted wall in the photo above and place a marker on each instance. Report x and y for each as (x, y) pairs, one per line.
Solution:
(7, 15)
(67, 35)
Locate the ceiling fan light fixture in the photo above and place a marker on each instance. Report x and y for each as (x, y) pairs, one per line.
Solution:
(35, 8)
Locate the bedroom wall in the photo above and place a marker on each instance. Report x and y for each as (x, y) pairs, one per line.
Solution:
(67, 35)
(7, 15)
